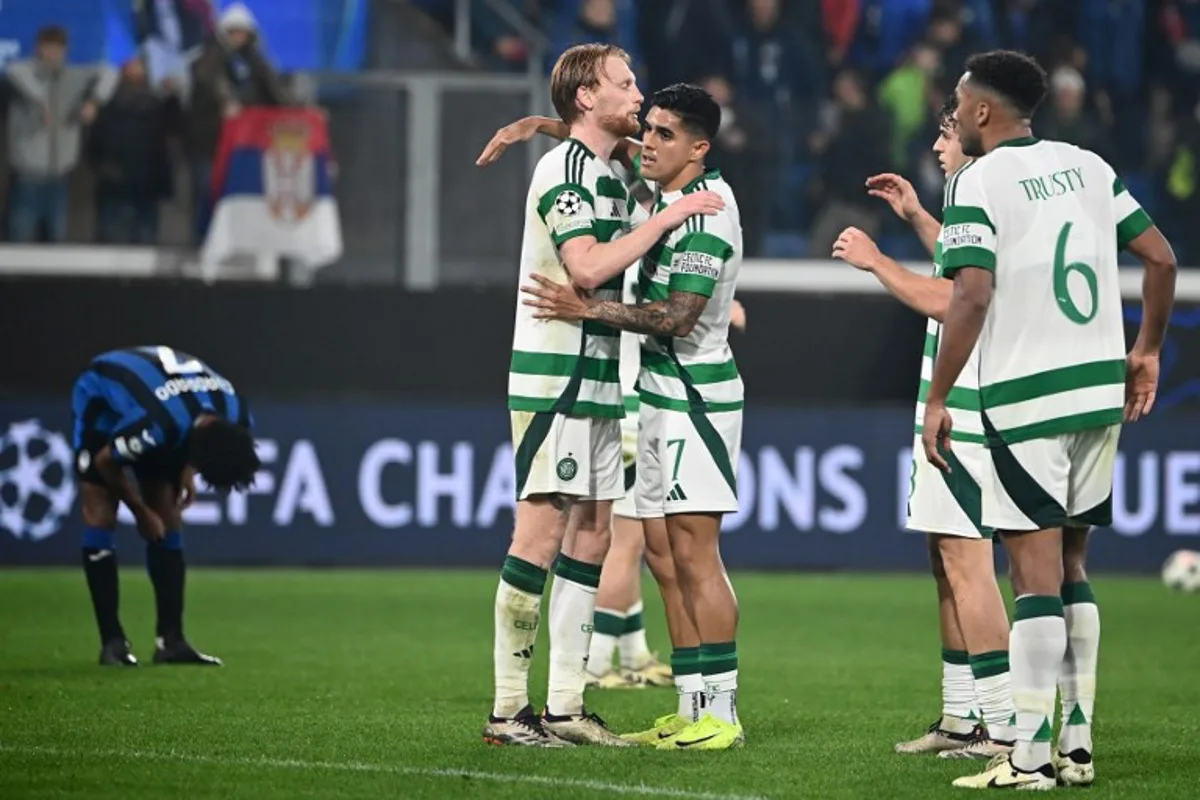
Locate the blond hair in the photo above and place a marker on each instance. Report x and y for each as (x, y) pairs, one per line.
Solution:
(579, 67)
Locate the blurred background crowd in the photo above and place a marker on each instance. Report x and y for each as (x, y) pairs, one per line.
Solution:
(817, 95)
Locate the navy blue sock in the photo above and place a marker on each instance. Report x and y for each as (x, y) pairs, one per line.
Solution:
(99, 560)
(164, 563)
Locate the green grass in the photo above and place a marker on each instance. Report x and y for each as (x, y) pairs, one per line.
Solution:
(376, 684)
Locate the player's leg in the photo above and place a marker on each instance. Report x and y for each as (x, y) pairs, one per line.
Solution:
(1024, 496)
(540, 524)
(957, 725)
(685, 641)
(1093, 461)
(99, 559)
(160, 485)
(1077, 683)
(699, 453)
(593, 457)
(98, 507)
(620, 588)
(979, 608)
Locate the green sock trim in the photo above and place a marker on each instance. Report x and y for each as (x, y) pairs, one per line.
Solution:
(985, 665)
(520, 574)
(1080, 592)
(633, 623)
(1077, 717)
(1044, 732)
(718, 658)
(577, 571)
(1037, 605)
(954, 656)
(685, 661)
(609, 624)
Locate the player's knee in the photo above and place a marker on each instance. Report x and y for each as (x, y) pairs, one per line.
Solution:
(1074, 555)
(936, 566)
(99, 515)
(662, 567)
(1035, 575)
(98, 507)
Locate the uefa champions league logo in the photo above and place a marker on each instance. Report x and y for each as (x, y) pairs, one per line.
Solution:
(37, 488)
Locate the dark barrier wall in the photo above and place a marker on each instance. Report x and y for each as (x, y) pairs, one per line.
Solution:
(390, 485)
(335, 342)
(340, 341)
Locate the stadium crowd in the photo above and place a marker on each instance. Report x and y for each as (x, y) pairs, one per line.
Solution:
(122, 125)
(819, 95)
(816, 96)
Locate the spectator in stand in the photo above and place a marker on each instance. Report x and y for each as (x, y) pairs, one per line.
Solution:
(779, 72)
(127, 150)
(1066, 118)
(851, 147)
(688, 38)
(170, 33)
(230, 73)
(909, 94)
(51, 103)
(955, 44)
(739, 152)
(598, 21)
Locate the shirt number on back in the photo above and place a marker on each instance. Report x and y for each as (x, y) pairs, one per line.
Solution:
(173, 366)
(1062, 272)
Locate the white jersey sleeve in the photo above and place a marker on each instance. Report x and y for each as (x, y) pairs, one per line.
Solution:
(1132, 219)
(702, 253)
(968, 230)
(565, 204)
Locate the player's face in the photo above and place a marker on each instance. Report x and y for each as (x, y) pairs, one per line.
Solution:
(667, 147)
(948, 148)
(616, 102)
(971, 114)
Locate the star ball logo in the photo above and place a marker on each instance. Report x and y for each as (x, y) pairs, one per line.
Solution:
(37, 489)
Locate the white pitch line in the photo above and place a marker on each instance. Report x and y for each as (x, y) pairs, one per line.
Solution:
(353, 766)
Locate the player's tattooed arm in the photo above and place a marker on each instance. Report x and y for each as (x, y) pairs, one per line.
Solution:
(675, 316)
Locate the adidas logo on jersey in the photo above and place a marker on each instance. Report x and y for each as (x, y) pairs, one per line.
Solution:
(676, 494)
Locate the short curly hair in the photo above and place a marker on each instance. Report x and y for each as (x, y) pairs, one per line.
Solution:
(1016, 77)
(945, 116)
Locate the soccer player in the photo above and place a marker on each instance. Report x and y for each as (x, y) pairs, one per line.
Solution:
(690, 391)
(621, 573)
(946, 507)
(618, 624)
(565, 400)
(1031, 233)
(165, 416)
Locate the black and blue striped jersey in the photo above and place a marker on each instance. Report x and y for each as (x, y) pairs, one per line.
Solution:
(146, 399)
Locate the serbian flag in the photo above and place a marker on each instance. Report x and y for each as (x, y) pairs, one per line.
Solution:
(272, 188)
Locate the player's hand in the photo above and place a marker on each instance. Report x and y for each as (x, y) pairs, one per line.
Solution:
(898, 193)
(857, 249)
(935, 435)
(88, 112)
(1141, 384)
(674, 215)
(520, 131)
(150, 526)
(737, 316)
(556, 300)
(187, 492)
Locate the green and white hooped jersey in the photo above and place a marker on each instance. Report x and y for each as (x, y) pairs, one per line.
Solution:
(568, 367)
(1047, 219)
(963, 400)
(697, 372)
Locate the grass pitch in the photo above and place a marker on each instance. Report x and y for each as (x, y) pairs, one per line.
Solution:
(377, 683)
